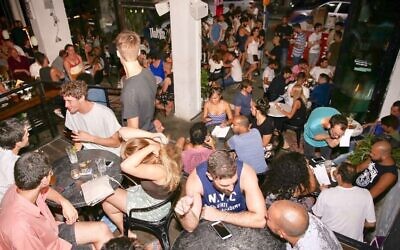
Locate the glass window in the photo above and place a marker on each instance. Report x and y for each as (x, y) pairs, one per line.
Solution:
(368, 53)
(331, 6)
(344, 8)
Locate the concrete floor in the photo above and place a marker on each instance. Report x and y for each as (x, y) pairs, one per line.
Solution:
(174, 128)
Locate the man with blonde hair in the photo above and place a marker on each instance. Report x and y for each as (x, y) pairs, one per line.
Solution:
(139, 86)
(93, 126)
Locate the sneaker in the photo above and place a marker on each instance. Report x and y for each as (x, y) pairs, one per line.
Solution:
(58, 113)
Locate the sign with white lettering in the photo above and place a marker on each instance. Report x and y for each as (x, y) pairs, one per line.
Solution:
(158, 33)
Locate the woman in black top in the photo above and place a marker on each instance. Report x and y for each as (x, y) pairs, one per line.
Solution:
(298, 114)
(264, 125)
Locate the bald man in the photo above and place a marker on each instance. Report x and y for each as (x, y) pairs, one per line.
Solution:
(248, 145)
(379, 172)
(301, 230)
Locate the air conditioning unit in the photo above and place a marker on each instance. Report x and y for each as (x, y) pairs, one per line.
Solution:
(198, 9)
(162, 7)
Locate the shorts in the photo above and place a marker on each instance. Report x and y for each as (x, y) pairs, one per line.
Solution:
(67, 233)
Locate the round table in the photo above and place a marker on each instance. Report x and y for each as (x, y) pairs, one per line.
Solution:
(273, 112)
(357, 128)
(204, 237)
(70, 188)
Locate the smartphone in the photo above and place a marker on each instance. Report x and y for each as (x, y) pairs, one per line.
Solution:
(221, 230)
(109, 163)
(318, 159)
(68, 133)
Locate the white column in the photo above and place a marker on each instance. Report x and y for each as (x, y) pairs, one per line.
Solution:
(50, 26)
(393, 90)
(17, 11)
(186, 56)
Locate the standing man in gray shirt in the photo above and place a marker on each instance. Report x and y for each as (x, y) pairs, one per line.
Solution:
(139, 87)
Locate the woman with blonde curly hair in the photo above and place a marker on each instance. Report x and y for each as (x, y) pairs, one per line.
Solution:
(156, 165)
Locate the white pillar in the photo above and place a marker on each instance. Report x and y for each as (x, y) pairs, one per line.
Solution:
(17, 11)
(186, 56)
(50, 26)
(393, 90)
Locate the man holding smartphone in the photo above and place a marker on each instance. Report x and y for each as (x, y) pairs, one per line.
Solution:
(93, 126)
(323, 129)
(222, 189)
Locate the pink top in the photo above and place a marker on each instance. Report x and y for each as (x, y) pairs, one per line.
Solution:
(26, 226)
(192, 157)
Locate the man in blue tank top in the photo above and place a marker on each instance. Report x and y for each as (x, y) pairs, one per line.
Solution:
(222, 190)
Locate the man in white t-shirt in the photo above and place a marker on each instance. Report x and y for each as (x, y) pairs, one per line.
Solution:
(13, 137)
(235, 75)
(346, 209)
(314, 41)
(323, 68)
(300, 80)
(35, 67)
(302, 231)
(269, 73)
(94, 125)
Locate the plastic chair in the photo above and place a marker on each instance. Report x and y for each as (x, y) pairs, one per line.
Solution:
(157, 228)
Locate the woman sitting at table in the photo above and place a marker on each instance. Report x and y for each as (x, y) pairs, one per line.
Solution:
(72, 62)
(264, 124)
(297, 116)
(47, 72)
(217, 111)
(18, 65)
(157, 166)
(290, 178)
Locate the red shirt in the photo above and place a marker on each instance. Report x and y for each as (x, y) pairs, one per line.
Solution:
(14, 64)
(26, 226)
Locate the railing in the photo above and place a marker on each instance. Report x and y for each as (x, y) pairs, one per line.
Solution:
(34, 96)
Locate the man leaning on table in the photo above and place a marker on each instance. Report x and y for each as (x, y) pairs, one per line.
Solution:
(222, 189)
(93, 125)
(26, 221)
(323, 129)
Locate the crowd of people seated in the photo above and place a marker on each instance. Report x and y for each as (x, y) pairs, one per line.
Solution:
(235, 184)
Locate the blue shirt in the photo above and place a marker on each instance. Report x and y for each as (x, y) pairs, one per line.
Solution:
(235, 202)
(249, 149)
(244, 102)
(314, 127)
(215, 32)
(159, 71)
(321, 95)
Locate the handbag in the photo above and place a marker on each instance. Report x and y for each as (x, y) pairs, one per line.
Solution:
(96, 190)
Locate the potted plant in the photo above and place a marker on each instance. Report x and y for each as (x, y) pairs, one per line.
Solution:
(363, 148)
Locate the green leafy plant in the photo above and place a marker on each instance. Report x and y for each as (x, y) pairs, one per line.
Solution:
(363, 149)
(205, 88)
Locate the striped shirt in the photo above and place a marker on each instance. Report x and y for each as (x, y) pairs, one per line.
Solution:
(299, 44)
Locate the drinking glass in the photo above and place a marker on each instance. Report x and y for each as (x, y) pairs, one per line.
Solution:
(101, 165)
(328, 165)
(71, 152)
(75, 174)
